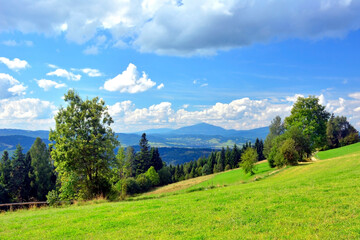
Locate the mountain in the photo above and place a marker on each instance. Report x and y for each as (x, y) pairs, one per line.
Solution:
(199, 136)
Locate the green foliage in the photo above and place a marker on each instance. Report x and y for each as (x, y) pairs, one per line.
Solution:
(206, 170)
(19, 185)
(53, 198)
(83, 143)
(42, 169)
(144, 182)
(69, 189)
(153, 176)
(309, 116)
(129, 187)
(248, 160)
(155, 159)
(289, 152)
(276, 128)
(340, 132)
(165, 176)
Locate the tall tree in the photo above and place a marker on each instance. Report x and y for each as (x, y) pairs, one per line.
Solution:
(310, 116)
(5, 176)
(42, 169)
(20, 180)
(130, 167)
(83, 144)
(248, 160)
(235, 156)
(340, 132)
(143, 158)
(155, 159)
(276, 128)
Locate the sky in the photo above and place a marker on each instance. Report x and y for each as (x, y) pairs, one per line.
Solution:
(171, 63)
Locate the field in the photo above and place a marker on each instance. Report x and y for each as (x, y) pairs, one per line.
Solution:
(317, 200)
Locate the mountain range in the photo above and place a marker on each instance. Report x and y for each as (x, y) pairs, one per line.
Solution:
(190, 142)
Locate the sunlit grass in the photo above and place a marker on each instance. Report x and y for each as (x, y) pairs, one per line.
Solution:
(311, 201)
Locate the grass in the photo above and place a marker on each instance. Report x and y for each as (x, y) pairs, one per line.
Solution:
(311, 201)
(338, 152)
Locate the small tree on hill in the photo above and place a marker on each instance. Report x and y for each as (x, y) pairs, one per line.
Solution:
(248, 160)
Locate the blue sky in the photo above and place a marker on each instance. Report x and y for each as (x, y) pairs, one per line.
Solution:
(165, 63)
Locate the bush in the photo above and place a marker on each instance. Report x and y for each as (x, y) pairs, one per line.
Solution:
(289, 152)
(129, 187)
(144, 182)
(52, 198)
(153, 176)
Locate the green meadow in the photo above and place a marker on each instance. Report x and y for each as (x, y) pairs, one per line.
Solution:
(318, 200)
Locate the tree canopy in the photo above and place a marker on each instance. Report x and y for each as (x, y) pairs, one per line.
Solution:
(83, 144)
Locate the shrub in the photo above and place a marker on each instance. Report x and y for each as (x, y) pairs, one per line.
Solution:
(153, 176)
(144, 182)
(129, 187)
(206, 170)
(289, 152)
(52, 198)
(227, 167)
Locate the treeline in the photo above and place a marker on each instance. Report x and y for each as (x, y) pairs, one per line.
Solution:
(139, 172)
(309, 128)
(26, 176)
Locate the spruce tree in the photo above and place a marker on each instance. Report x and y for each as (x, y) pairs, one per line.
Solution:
(42, 169)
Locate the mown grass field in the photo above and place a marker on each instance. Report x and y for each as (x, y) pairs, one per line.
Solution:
(311, 201)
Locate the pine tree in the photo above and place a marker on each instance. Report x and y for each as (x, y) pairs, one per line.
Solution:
(42, 169)
(5, 176)
(155, 159)
(143, 158)
(235, 157)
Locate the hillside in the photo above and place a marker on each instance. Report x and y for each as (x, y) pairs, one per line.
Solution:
(317, 200)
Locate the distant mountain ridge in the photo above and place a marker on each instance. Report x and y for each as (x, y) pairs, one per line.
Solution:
(201, 135)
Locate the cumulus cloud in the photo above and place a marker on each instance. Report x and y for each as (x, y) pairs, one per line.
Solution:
(65, 74)
(244, 113)
(48, 84)
(160, 86)
(129, 81)
(184, 27)
(9, 86)
(29, 113)
(91, 72)
(239, 114)
(15, 64)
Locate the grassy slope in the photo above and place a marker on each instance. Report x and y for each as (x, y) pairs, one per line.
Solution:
(354, 148)
(311, 201)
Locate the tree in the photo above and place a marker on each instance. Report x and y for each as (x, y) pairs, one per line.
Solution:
(248, 160)
(153, 176)
(309, 116)
(155, 159)
(276, 128)
(340, 132)
(5, 169)
(289, 152)
(83, 144)
(235, 157)
(130, 168)
(20, 183)
(42, 169)
(259, 147)
(5, 176)
(143, 158)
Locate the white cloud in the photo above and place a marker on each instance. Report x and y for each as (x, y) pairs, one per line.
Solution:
(52, 66)
(294, 98)
(65, 74)
(28, 113)
(15, 64)
(48, 84)
(9, 86)
(160, 86)
(355, 95)
(18, 89)
(184, 27)
(129, 81)
(91, 72)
